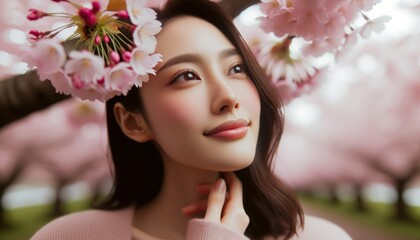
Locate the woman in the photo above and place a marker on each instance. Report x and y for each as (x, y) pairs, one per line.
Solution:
(192, 148)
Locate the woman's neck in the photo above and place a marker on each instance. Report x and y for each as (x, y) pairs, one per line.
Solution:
(163, 216)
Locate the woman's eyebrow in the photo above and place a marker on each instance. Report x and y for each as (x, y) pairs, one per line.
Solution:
(195, 58)
(183, 58)
(228, 53)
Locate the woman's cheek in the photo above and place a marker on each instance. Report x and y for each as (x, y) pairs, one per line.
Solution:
(178, 112)
(249, 99)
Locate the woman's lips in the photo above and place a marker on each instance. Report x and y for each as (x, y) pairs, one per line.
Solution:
(229, 130)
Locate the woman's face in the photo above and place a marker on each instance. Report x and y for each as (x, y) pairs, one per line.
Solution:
(202, 108)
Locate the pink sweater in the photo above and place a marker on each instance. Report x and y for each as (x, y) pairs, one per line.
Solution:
(117, 225)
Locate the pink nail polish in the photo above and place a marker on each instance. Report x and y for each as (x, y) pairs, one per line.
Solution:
(220, 185)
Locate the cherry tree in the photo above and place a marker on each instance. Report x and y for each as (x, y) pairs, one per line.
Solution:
(74, 161)
(67, 140)
(375, 122)
(8, 157)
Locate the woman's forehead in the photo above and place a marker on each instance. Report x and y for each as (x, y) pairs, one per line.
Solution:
(186, 34)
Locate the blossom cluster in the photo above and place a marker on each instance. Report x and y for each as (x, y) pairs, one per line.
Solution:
(305, 30)
(113, 50)
(327, 25)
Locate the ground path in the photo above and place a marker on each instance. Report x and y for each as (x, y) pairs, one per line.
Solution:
(358, 231)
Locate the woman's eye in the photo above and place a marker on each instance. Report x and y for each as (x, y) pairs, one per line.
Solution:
(237, 69)
(186, 76)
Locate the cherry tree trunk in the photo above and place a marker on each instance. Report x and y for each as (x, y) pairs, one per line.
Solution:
(401, 208)
(3, 223)
(332, 194)
(57, 208)
(359, 202)
(6, 183)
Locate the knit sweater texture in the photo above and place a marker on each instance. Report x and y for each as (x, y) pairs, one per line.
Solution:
(117, 225)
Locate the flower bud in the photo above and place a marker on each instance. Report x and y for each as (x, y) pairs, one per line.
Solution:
(98, 39)
(84, 13)
(126, 56)
(123, 14)
(35, 33)
(115, 57)
(88, 16)
(35, 14)
(91, 21)
(106, 39)
(96, 6)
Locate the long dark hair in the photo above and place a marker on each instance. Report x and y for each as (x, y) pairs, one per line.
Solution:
(138, 170)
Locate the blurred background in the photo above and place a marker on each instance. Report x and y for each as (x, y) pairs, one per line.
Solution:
(350, 148)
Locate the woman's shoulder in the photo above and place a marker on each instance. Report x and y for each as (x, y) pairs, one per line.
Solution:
(91, 224)
(318, 228)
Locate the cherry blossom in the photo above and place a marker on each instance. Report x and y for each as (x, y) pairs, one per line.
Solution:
(270, 7)
(140, 80)
(138, 12)
(48, 55)
(275, 58)
(280, 24)
(311, 18)
(87, 65)
(61, 81)
(144, 63)
(322, 23)
(376, 25)
(144, 35)
(319, 47)
(351, 39)
(100, 67)
(92, 93)
(364, 5)
(292, 75)
(335, 26)
(119, 78)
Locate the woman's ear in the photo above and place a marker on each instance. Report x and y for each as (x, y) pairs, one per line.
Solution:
(133, 125)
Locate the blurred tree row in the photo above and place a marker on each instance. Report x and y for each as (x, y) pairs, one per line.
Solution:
(369, 133)
(59, 146)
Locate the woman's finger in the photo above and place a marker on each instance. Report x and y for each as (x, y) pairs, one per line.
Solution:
(216, 201)
(204, 189)
(234, 215)
(196, 208)
(235, 189)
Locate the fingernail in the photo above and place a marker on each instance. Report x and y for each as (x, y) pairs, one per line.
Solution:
(220, 185)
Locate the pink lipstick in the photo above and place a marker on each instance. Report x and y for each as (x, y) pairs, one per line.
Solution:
(229, 130)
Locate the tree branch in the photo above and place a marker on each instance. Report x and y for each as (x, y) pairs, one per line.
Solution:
(23, 94)
(235, 7)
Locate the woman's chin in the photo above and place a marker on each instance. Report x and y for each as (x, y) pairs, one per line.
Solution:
(235, 166)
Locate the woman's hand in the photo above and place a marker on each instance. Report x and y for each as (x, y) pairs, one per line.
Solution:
(222, 206)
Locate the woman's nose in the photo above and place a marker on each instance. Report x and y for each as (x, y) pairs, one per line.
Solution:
(224, 98)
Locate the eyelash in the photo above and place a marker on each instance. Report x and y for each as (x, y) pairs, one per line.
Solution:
(238, 64)
(195, 76)
(184, 73)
